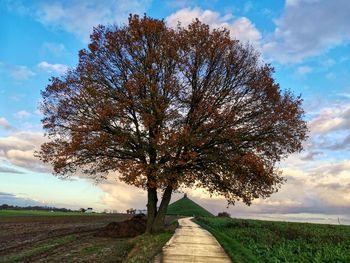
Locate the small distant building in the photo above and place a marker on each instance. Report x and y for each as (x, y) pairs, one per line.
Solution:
(89, 210)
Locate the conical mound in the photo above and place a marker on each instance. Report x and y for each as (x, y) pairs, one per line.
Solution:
(186, 207)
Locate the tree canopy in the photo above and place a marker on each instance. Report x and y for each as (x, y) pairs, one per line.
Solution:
(170, 107)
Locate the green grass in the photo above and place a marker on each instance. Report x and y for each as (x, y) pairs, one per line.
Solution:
(266, 241)
(187, 207)
(9, 212)
(146, 247)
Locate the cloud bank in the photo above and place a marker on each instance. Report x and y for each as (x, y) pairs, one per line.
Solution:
(308, 28)
(18, 200)
(18, 149)
(240, 28)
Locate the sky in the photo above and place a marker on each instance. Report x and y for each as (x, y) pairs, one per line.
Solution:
(307, 42)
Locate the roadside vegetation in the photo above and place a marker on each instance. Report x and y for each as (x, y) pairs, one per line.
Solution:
(266, 241)
(146, 247)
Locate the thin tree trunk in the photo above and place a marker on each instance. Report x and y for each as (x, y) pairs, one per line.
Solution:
(158, 224)
(151, 208)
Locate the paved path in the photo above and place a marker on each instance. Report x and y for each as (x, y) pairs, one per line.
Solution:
(192, 243)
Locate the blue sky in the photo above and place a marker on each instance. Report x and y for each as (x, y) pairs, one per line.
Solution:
(307, 41)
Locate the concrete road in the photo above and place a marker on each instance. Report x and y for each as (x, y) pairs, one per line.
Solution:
(192, 243)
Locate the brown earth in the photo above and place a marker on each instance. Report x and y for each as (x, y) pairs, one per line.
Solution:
(19, 234)
(129, 228)
(87, 238)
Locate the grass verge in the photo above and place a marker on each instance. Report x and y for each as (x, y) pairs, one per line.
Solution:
(247, 240)
(147, 247)
(236, 251)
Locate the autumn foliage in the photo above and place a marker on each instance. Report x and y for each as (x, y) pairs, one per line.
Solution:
(171, 107)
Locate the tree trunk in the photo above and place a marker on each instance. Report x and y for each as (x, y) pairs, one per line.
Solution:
(151, 208)
(158, 224)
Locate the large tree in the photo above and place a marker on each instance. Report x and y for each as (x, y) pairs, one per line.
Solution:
(167, 108)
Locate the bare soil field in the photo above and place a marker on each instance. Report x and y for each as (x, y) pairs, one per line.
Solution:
(60, 239)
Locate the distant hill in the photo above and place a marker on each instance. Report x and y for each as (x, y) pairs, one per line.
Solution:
(187, 207)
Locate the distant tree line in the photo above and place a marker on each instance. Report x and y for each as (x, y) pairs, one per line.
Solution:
(42, 208)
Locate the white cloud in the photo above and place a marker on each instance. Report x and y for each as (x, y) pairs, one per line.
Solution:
(21, 73)
(329, 130)
(22, 114)
(120, 196)
(5, 124)
(332, 181)
(307, 28)
(321, 187)
(240, 28)
(18, 149)
(331, 119)
(79, 17)
(278, 203)
(57, 68)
